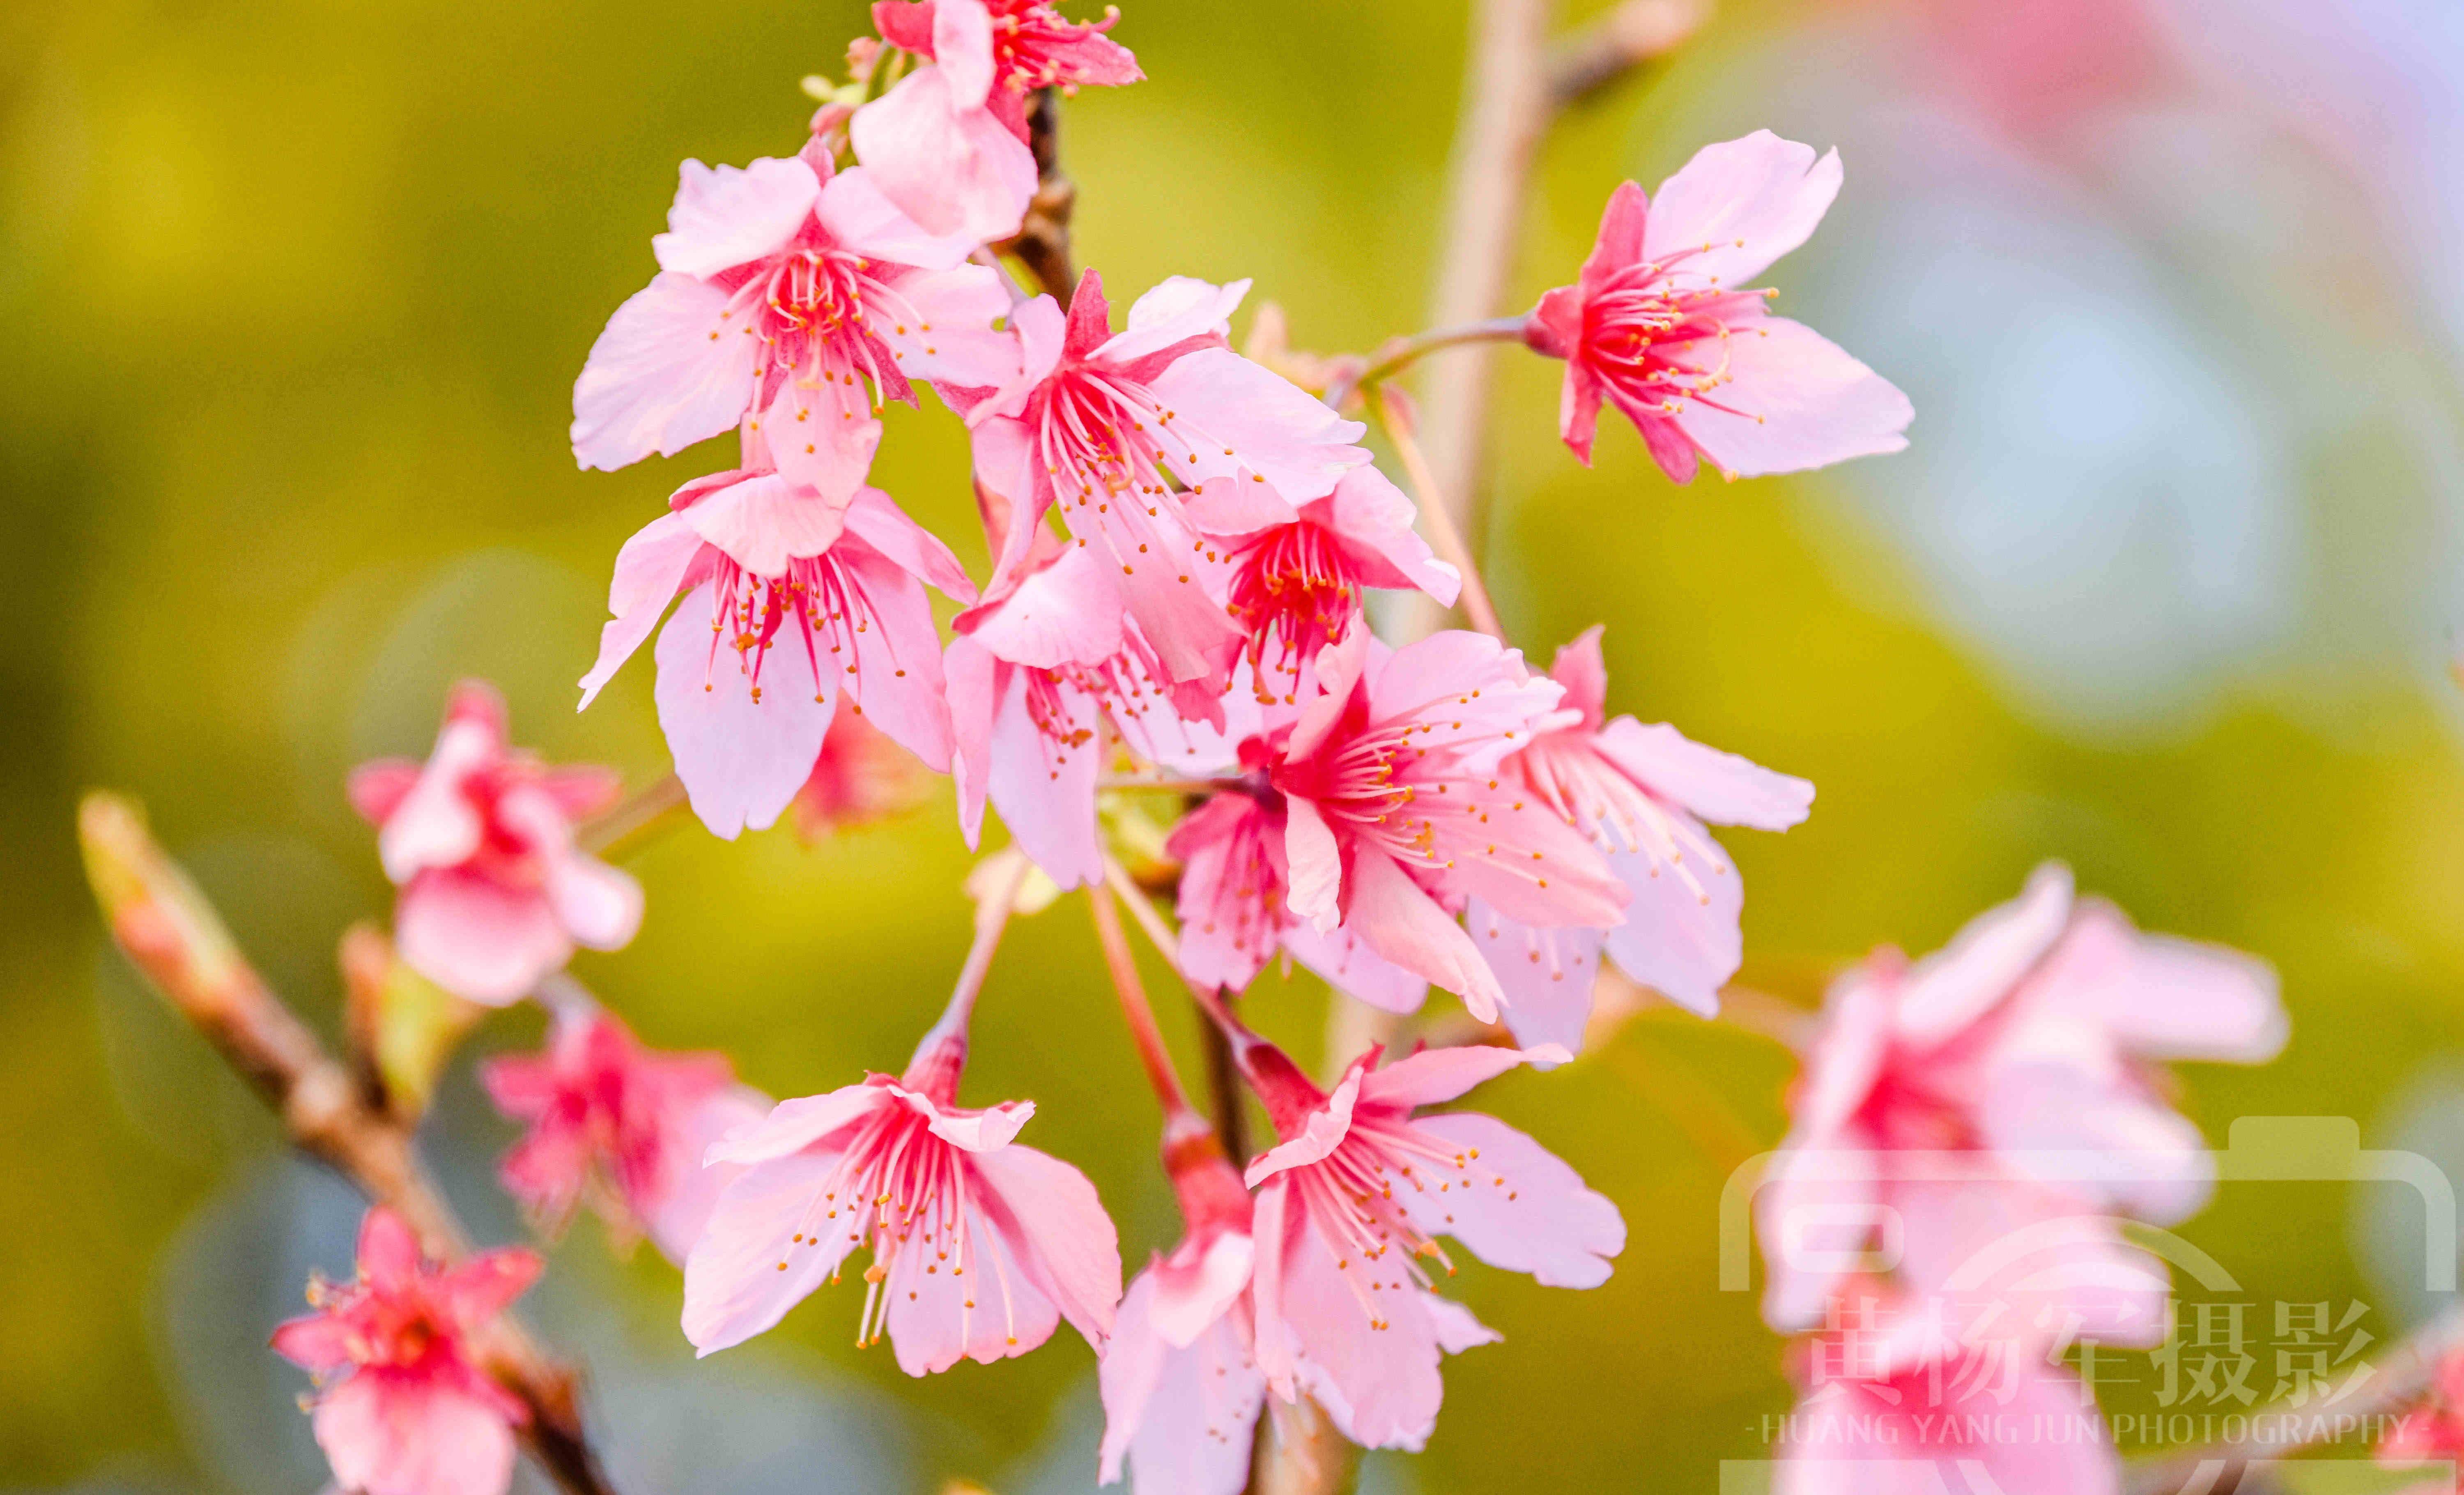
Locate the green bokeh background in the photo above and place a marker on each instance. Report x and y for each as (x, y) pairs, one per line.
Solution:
(295, 291)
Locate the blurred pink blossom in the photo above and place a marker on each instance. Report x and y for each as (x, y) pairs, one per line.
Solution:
(619, 1125)
(494, 894)
(859, 777)
(417, 1415)
(1660, 323)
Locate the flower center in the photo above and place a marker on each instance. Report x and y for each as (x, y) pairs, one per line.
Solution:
(816, 603)
(1294, 589)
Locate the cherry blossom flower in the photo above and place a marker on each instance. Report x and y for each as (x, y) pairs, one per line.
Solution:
(621, 1126)
(1181, 1389)
(417, 1414)
(859, 777)
(1661, 324)
(1395, 812)
(1036, 672)
(1954, 1098)
(494, 894)
(1342, 1314)
(809, 596)
(2432, 1431)
(795, 296)
(948, 140)
(1297, 572)
(1643, 794)
(1104, 425)
(979, 1246)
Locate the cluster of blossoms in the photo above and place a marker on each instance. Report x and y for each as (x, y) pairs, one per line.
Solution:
(1181, 542)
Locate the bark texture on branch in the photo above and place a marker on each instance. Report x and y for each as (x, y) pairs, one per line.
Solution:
(1042, 240)
(163, 924)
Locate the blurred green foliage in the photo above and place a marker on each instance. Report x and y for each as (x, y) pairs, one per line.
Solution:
(295, 293)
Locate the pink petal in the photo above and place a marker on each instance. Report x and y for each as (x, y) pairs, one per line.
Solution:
(387, 1252)
(1543, 1221)
(931, 1326)
(1578, 412)
(392, 1433)
(1184, 1418)
(973, 680)
(1194, 1289)
(1580, 669)
(320, 1342)
(1544, 872)
(1720, 787)
(724, 217)
(1682, 943)
(676, 1219)
(1793, 401)
(1226, 505)
(378, 789)
(962, 46)
(1176, 310)
(2149, 1160)
(1815, 1214)
(1957, 984)
(1390, 913)
(669, 371)
(734, 1288)
(1374, 519)
(1435, 1075)
(476, 938)
(1377, 1382)
(949, 326)
(794, 1124)
(598, 905)
(821, 436)
(1350, 967)
(1314, 865)
(1768, 191)
(970, 1131)
(1624, 221)
(481, 1288)
(1067, 613)
(1226, 928)
(897, 682)
(860, 218)
(1273, 428)
(1457, 1329)
(1433, 681)
(880, 523)
(1045, 789)
(1339, 667)
(2161, 998)
(649, 570)
(1324, 1133)
(742, 761)
(1545, 974)
(1061, 1233)
(943, 158)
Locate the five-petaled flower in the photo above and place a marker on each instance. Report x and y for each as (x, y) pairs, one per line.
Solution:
(495, 893)
(1661, 325)
(418, 1413)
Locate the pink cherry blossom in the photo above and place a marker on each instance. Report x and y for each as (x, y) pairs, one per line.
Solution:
(1105, 425)
(1181, 1388)
(1297, 572)
(1357, 1175)
(795, 296)
(949, 140)
(1988, 1417)
(1999, 1094)
(494, 894)
(1394, 811)
(1660, 323)
(417, 1415)
(1037, 674)
(859, 777)
(800, 597)
(979, 1246)
(2432, 1431)
(1643, 794)
(619, 1125)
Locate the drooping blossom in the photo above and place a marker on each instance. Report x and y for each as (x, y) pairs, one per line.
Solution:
(1104, 426)
(1661, 324)
(1180, 1385)
(1393, 812)
(789, 599)
(2432, 1431)
(417, 1415)
(1643, 794)
(1296, 572)
(948, 140)
(1949, 1105)
(1989, 1416)
(859, 777)
(792, 296)
(1038, 672)
(979, 1246)
(495, 893)
(1357, 1193)
(620, 1126)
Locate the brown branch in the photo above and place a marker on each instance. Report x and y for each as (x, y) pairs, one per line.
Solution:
(1041, 243)
(172, 934)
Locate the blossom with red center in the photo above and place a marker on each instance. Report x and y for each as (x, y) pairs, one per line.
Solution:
(797, 296)
(1643, 794)
(979, 1246)
(802, 597)
(949, 140)
(1114, 427)
(494, 894)
(859, 777)
(1661, 325)
(1296, 573)
(1351, 1202)
(1181, 1388)
(1397, 810)
(417, 1414)
(1038, 672)
(1948, 1103)
(619, 1125)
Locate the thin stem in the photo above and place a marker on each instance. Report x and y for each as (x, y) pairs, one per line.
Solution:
(1403, 352)
(1436, 518)
(637, 812)
(992, 918)
(1222, 1070)
(1134, 1009)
